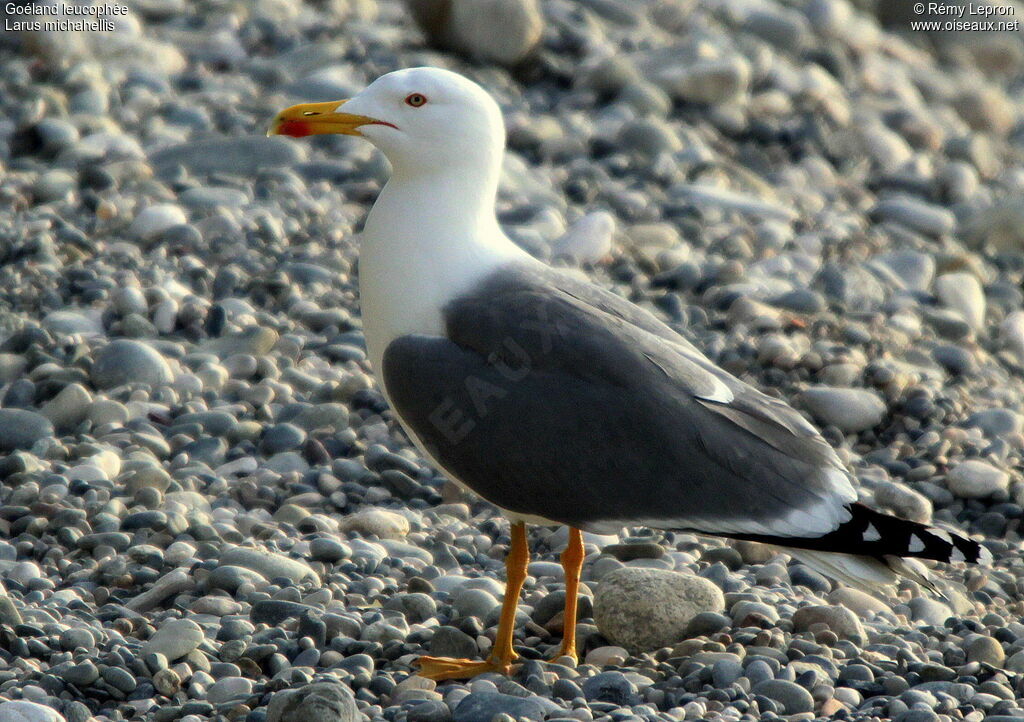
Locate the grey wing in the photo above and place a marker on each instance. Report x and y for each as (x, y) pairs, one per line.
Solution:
(603, 301)
(549, 406)
(772, 420)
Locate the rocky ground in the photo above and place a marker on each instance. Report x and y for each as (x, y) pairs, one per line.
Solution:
(207, 511)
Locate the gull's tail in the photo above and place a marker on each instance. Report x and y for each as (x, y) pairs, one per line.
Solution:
(869, 574)
(873, 550)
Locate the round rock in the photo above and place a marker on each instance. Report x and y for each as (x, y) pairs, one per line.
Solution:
(20, 710)
(155, 219)
(644, 609)
(227, 689)
(986, 650)
(317, 702)
(975, 479)
(849, 410)
(480, 706)
(793, 698)
(20, 429)
(376, 522)
(839, 619)
(125, 361)
(501, 31)
(174, 639)
(962, 292)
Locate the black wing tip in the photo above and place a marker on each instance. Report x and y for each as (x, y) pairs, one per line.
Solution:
(873, 533)
(904, 538)
(972, 551)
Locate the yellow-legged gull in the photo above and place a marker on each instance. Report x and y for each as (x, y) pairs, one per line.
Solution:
(561, 402)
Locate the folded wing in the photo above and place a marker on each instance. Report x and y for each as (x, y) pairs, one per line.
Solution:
(553, 398)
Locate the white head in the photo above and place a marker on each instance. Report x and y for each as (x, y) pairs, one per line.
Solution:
(423, 119)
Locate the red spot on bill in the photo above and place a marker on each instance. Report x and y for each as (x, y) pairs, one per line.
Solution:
(294, 128)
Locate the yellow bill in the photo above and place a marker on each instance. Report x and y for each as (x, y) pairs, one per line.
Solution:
(305, 119)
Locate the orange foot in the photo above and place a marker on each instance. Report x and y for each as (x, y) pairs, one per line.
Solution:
(566, 651)
(438, 668)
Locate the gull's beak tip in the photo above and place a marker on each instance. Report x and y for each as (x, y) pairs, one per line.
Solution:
(275, 125)
(305, 119)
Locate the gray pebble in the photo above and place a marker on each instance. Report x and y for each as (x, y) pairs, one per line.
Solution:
(452, 642)
(923, 217)
(479, 706)
(793, 698)
(124, 362)
(174, 639)
(82, 674)
(21, 429)
(850, 410)
(317, 702)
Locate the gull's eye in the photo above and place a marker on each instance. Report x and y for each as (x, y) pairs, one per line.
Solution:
(415, 100)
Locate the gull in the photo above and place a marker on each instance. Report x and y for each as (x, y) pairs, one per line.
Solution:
(559, 401)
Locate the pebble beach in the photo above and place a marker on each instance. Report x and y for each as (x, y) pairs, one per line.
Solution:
(209, 513)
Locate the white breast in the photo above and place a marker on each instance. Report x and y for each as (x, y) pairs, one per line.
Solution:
(412, 263)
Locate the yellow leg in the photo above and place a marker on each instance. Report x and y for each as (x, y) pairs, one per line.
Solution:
(572, 563)
(502, 654)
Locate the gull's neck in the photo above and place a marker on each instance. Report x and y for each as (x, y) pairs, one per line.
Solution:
(429, 237)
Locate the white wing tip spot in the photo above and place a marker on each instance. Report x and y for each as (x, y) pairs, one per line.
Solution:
(871, 533)
(720, 393)
(916, 545)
